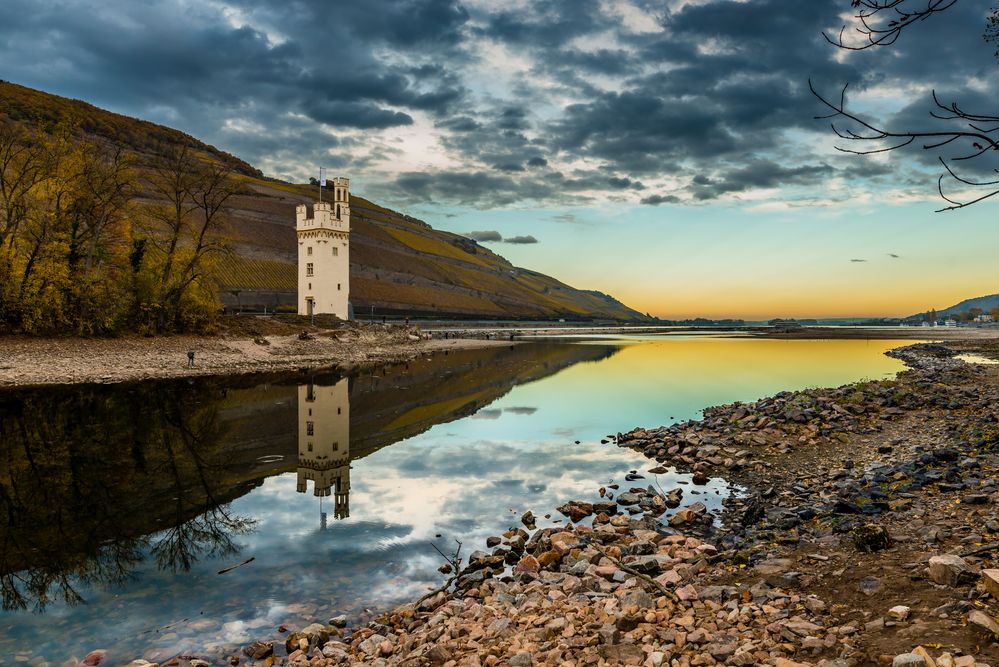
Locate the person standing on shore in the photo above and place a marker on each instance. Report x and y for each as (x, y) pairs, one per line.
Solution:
(190, 358)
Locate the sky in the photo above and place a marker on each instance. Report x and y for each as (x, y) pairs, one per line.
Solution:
(664, 152)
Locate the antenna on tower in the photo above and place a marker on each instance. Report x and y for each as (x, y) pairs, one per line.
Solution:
(322, 182)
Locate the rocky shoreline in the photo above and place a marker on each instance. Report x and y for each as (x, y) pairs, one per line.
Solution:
(868, 535)
(28, 361)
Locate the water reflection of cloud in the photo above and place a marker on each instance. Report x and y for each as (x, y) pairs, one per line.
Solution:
(488, 414)
(521, 410)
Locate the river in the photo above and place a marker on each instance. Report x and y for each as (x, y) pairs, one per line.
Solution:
(121, 504)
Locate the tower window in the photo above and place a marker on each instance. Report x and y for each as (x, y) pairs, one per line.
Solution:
(310, 428)
(309, 269)
(336, 446)
(338, 287)
(310, 446)
(309, 251)
(338, 410)
(335, 251)
(310, 285)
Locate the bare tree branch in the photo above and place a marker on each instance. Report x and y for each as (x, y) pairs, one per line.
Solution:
(972, 135)
(881, 22)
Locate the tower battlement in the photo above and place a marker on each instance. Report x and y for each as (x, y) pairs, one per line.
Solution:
(324, 253)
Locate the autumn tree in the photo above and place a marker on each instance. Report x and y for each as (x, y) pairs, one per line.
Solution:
(23, 164)
(79, 253)
(186, 228)
(963, 140)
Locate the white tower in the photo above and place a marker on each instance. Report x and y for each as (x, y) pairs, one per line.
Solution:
(324, 254)
(324, 443)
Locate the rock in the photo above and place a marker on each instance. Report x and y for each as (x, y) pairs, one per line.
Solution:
(259, 650)
(576, 510)
(950, 570)
(438, 655)
(628, 622)
(492, 541)
(528, 564)
(527, 518)
(94, 658)
(870, 586)
(870, 537)
(990, 581)
(628, 498)
(608, 634)
(908, 660)
(339, 621)
(628, 654)
(928, 660)
(983, 624)
(686, 593)
(522, 659)
(899, 612)
(311, 635)
(774, 566)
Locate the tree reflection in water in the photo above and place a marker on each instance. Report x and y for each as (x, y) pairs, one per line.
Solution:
(94, 481)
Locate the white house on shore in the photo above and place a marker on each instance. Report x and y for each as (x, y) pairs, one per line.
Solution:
(324, 254)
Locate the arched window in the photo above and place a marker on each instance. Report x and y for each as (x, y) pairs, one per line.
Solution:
(338, 211)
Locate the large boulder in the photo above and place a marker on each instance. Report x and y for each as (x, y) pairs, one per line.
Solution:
(950, 570)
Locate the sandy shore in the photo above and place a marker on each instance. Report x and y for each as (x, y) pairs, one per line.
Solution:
(44, 361)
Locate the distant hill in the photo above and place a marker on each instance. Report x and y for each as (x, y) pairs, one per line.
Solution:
(984, 302)
(399, 265)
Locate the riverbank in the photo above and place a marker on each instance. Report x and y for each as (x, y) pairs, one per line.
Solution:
(253, 344)
(257, 346)
(868, 535)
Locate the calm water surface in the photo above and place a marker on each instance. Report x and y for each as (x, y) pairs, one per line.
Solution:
(120, 505)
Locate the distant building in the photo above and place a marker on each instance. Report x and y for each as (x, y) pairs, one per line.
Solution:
(984, 318)
(324, 254)
(324, 443)
(950, 323)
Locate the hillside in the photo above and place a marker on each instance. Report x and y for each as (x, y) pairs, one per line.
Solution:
(399, 265)
(983, 302)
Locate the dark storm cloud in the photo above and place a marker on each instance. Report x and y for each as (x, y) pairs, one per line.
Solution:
(485, 236)
(703, 100)
(656, 200)
(193, 67)
(521, 240)
(757, 174)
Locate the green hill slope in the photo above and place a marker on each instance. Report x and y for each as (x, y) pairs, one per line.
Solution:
(399, 265)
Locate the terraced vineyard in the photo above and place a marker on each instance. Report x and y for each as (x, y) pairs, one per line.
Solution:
(399, 265)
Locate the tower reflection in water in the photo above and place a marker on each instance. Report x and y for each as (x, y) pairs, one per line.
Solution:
(324, 444)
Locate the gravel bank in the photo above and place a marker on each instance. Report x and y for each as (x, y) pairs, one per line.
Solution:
(45, 361)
